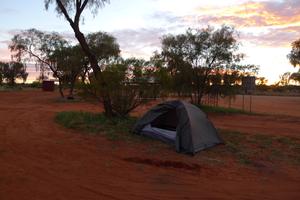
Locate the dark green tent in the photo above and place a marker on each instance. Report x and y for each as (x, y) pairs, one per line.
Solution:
(181, 124)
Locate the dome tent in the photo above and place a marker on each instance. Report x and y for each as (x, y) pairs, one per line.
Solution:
(181, 124)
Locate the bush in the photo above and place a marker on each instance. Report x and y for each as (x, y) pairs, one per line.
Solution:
(127, 86)
(97, 123)
(35, 84)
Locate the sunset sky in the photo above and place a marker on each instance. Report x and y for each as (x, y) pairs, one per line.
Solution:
(266, 27)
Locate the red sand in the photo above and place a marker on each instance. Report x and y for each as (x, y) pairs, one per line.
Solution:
(280, 105)
(41, 160)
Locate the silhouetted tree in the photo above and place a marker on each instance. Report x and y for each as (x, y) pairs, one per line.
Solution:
(129, 84)
(69, 62)
(294, 55)
(36, 46)
(72, 11)
(12, 71)
(262, 81)
(160, 75)
(1, 74)
(193, 56)
(103, 45)
(284, 79)
(295, 76)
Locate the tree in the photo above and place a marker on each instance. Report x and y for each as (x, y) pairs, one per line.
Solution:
(69, 62)
(174, 54)
(36, 46)
(160, 75)
(103, 45)
(294, 55)
(12, 71)
(284, 79)
(1, 74)
(69, 7)
(262, 81)
(129, 84)
(192, 57)
(295, 76)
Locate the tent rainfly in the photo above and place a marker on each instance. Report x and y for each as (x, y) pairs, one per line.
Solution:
(181, 124)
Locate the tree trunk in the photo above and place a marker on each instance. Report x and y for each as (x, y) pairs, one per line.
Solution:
(12, 81)
(72, 84)
(108, 110)
(96, 69)
(92, 58)
(60, 88)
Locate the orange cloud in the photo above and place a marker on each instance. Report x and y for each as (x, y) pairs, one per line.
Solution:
(274, 37)
(268, 13)
(267, 23)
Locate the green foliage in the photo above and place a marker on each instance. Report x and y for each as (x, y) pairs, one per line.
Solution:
(7, 87)
(262, 141)
(252, 148)
(198, 59)
(1, 74)
(129, 85)
(77, 7)
(294, 55)
(221, 110)
(35, 84)
(70, 62)
(103, 45)
(247, 149)
(284, 79)
(36, 46)
(278, 90)
(295, 76)
(11, 71)
(114, 128)
(262, 81)
(288, 78)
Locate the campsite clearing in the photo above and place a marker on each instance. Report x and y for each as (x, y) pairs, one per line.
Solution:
(40, 159)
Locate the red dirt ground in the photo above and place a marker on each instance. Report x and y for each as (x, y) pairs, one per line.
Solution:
(40, 160)
(279, 105)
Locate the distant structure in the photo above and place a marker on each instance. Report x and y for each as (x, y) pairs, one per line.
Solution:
(48, 85)
(248, 84)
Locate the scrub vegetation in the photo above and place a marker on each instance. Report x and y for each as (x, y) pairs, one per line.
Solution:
(250, 149)
(97, 123)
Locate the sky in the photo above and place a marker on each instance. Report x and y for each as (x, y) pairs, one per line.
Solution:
(266, 28)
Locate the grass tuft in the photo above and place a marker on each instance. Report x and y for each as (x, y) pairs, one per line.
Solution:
(245, 148)
(248, 148)
(8, 88)
(222, 110)
(97, 123)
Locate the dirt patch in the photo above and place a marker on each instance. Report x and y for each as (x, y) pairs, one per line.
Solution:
(279, 105)
(40, 159)
(164, 164)
(259, 124)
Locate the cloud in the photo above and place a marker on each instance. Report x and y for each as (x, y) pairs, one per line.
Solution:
(4, 42)
(7, 34)
(69, 36)
(4, 54)
(274, 37)
(265, 23)
(141, 42)
(284, 9)
(166, 17)
(4, 11)
(266, 13)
